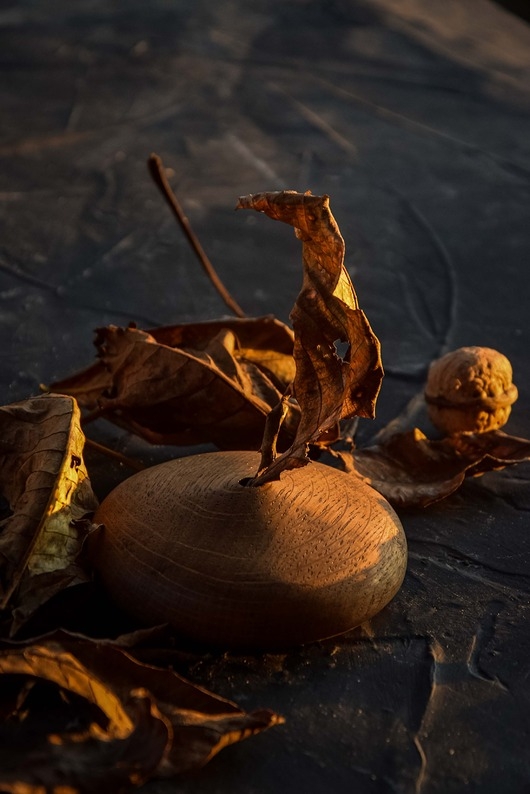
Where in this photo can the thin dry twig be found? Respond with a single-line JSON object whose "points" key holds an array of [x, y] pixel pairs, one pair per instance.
{"points": [[157, 171], [112, 453]]}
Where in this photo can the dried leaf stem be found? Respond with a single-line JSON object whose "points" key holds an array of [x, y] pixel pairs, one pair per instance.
{"points": [[273, 425], [112, 453], [157, 171]]}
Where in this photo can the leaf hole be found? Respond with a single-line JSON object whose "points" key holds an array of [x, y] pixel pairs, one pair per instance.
{"points": [[342, 349]]}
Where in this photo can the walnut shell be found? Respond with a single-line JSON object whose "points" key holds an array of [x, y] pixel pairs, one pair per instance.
{"points": [[470, 390], [304, 558]]}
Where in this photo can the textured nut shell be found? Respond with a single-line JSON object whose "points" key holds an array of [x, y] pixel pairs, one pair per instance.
{"points": [[470, 389], [293, 561]]}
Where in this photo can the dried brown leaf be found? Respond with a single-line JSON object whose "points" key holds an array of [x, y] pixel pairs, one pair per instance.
{"points": [[148, 721], [45, 481], [191, 383], [411, 470], [263, 341], [490, 451], [327, 387]]}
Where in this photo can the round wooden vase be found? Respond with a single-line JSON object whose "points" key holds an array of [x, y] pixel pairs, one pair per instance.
{"points": [[304, 558]]}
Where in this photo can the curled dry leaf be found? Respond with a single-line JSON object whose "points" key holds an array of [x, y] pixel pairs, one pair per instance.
{"points": [[327, 386], [143, 721], [191, 383], [411, 470], [45, 482]]}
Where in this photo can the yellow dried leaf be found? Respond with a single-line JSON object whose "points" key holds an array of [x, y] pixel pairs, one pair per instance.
{"points": [[45, 481]]}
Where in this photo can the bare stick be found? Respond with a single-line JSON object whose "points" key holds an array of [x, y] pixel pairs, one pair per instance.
{"points": [[156, 168], [111, 453]]}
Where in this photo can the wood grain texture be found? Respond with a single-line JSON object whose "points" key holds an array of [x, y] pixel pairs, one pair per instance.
{"points": [[300, 559]]}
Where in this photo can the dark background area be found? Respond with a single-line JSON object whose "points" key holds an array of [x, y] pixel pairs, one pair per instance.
{"points": [[519, 7], [414, 117]]}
